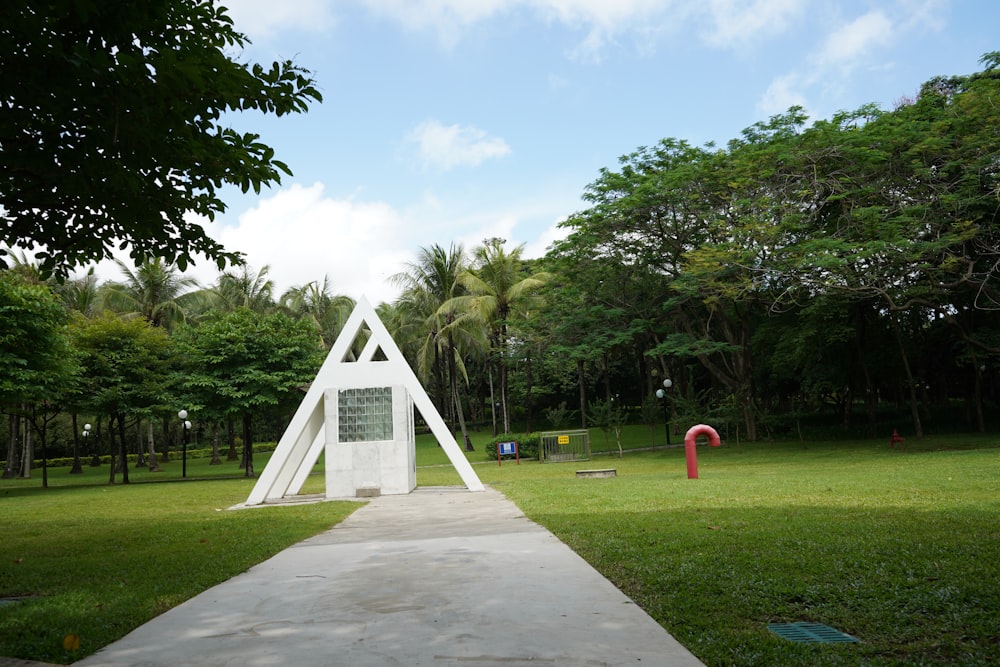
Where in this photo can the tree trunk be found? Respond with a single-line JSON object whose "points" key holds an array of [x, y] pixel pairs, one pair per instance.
{"points": [[247, 463], [95, 440], [13, 448], [918, 427], [461, 416], [112, 452], [528, 380], [459, 411], [581, 381], [28, 454], [140, 449], [153, 465], [750, 418], [503, 396], [124, 449], [977, 395], [231, 455], [166, 425], [45, 458], [440, 400], [606, 372], [871, 398], [77, 465], [493, 401], [215, 445]]}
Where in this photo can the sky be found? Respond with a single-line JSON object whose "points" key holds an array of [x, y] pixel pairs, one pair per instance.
{"points": [[454, 121]]}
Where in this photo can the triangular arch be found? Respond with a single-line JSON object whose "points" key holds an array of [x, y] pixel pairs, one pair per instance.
{"points": [[380, 363]]}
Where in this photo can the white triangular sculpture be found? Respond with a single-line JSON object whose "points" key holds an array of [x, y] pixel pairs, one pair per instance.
{"points": [[304, 439]]}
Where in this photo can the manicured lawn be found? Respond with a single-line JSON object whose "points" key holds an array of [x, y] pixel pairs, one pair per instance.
{"points": [[899, 549], [96, 561]]}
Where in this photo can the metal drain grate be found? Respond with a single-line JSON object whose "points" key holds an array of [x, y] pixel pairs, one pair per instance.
{"points": [[810, 632]]}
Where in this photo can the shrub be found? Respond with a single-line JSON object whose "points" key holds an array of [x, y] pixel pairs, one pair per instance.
{"points": [[527, 445]]}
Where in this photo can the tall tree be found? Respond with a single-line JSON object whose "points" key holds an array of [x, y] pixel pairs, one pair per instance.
{"points": [[243, 287], [244, 364], [114, 126], [499, 292], [125, 371], [81, 295], [429, 286], [37, 363], [317, 302], [905, 213], [153, 291]]}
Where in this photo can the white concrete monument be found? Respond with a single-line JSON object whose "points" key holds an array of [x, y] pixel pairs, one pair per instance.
{"points": [[361, 412]]}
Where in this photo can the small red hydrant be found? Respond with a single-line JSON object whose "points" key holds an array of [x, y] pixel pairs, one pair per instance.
{"points": [[894, 438]]}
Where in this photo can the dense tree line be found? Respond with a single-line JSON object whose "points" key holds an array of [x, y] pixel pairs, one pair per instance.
{"points": [[844, 267], [849, 261], [127, 355]]}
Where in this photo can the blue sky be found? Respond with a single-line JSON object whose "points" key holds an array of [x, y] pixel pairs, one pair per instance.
{"points": [[458, 120]]}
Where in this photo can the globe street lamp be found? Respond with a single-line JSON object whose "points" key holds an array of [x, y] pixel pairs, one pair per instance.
{"points": [[185, 427], [662, 393], [76, 455]]}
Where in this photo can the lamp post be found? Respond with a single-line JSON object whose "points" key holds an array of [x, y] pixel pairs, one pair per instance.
{"points": [[185, 427], [662, 393], [86, 444]]}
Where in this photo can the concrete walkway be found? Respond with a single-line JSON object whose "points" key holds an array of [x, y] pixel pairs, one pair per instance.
{"points": [[437, 577]]}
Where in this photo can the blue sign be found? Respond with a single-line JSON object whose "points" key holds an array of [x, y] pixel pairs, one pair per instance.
{"points": [[507, 448]]}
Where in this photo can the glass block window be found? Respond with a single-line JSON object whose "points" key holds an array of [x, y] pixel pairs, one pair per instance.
{"points": [[365, 414]]}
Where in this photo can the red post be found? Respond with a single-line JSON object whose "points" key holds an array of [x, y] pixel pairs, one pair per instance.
{"points": [[894, 438], [690, 441]]}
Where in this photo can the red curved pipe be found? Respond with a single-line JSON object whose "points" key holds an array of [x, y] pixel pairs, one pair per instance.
{"points": [[690, 439]]}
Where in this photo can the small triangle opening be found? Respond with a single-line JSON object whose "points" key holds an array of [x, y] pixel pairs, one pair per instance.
{"points": [[357, 346]]}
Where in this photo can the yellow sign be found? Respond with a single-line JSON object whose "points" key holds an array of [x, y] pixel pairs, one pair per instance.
{"points": [[563, 440]]}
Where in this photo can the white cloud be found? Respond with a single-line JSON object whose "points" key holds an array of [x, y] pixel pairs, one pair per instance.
{"points": [[557, 82], [855, 40], [449, 146], [420, 14], [781, 95], [858, 44], [262, 19], [540, 246], [446, 18], [303, 235], [731, 21], [604, 20], [740, 22], [923, 14], [488, 227]]}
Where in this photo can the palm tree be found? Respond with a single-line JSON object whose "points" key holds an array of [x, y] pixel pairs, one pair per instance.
{"points": [[316, 301], [151, 291], [25, 268], [242, 288], [428, 285], [81, 295], [499, 292]]}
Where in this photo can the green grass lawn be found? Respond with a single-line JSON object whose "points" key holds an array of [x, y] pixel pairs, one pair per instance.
{"points": [[96, 561], [899, 549]]}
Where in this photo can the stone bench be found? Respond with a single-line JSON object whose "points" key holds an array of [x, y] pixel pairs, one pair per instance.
{"points": [[604, 472]]}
